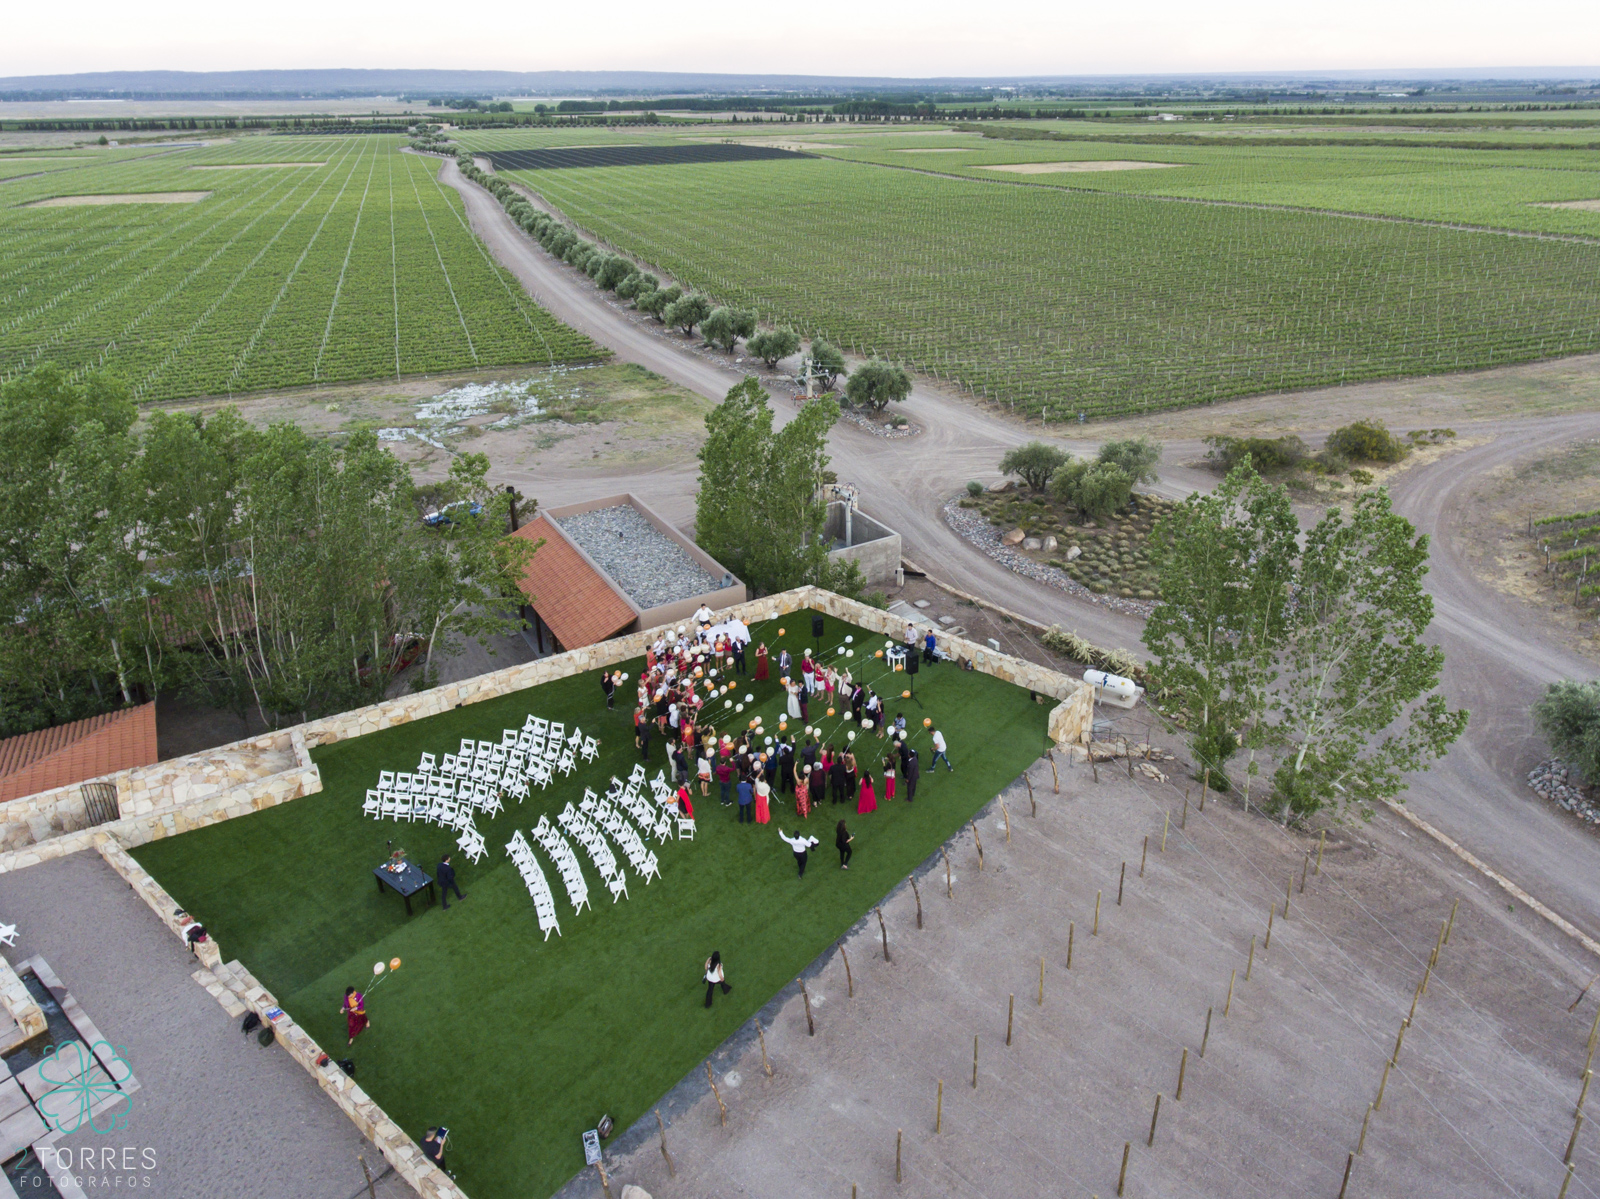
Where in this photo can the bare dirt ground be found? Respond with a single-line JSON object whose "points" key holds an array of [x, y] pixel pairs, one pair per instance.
{"points": [[1092, 164], [1480, 1104], [120, 198], [1497, 547]]}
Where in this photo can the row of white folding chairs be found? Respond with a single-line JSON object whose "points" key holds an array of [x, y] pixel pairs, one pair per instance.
{"points": [[652, 820], [471, 841], [644, 862], [596, 846], [544, 903], [566, 861]]}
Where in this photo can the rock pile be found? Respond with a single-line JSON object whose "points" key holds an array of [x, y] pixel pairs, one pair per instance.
{"points": [[1556, 781]]}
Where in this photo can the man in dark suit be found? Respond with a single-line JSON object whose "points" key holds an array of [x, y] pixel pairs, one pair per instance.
{"points": [[446, 875], [738, 658], [910, 769]]}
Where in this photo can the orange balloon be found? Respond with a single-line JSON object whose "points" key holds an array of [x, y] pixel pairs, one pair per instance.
{"points": [[905, 695], [780, 632], [927, 722], [782, 725], [830, 711], [879, 654], [394, 963], [752, 724]]}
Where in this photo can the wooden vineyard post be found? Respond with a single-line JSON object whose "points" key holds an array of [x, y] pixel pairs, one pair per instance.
{"points": [[1251, 961], [1232, 977], [1154, 1116], [938, 1109], [672, 1169], [765, 1064], [1322, 839], [1095, 931], [1122, 1175], [882, 929], [1183, 1066], [1007, 817], [722, 1108], [948, 893], [1206, 1036], [918, 895], [1166, 822], [974, 1063], [1143, 854], [811, 1024], [849, 982], [1069, 944], [978, 841], [1053, 773], [1011, 1011], [1121, 879]]}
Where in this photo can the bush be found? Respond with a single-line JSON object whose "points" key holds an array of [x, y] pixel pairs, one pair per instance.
{"points": [[1034, 463], [1366, 441], [1093, 488], [1137, 456], [659, 300], [876, 383], [686, 312], [773, 347], [1265, 454], [616, 269], [718, 329], [1568, 716], [974, 488]]}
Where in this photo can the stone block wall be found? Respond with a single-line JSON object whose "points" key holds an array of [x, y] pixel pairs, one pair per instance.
{"points": [[19, 1004], [162, 904]]}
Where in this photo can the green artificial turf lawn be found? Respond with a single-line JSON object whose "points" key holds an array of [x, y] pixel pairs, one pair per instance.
{"points": [[519, 1044]]}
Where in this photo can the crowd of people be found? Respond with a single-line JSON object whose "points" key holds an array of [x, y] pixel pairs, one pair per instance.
{"points": [[690, 681]]}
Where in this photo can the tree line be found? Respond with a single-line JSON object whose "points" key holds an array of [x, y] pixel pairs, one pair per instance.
{"points": [[259, 571]]}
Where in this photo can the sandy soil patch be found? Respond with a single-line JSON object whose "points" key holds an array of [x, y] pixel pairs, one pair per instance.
{"points": [[1098, 164], [1580, 205], [125, 198], [933, 150], [47, 158], [255, 166]]}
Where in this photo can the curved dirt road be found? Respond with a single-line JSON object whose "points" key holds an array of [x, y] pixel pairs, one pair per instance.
{"points": [[1497, 662]]}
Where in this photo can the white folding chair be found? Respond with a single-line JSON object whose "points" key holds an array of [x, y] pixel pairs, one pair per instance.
{"points": [[484, 749], [497, 754], [638, 773], [649, 868], [447, 764], [374, 804], [566, 765], [557, 732], [575, 738], [591, 749], [685, 829], [480, 770], [508, 738], [469, 748], [619, 887], [386, 780], [427, 765]]}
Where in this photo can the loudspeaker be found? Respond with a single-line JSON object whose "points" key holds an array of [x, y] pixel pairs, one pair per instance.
{"points": [[913, 661], [816, 627]]}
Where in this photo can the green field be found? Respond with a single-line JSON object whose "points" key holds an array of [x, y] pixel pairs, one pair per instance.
{"points": [[1065, 301], [518, 1043], [358, 265]]}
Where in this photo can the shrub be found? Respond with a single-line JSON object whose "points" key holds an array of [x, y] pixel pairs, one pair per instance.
{"points": [[616, 269], [658, 301], [1568, 716], [974, 488], [1137, 456], [772, 347], [1093, 488], [1034, 463], [827, 363], [876, 383], [719, 328], [687, 312], [1366, 441], [1266, 454]]}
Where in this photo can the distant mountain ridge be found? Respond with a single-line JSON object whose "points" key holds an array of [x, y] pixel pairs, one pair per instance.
{"points": [[349, 82]]}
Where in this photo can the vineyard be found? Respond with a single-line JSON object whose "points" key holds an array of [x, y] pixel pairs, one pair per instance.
{"points": [[312, 260], [1060, 302]]}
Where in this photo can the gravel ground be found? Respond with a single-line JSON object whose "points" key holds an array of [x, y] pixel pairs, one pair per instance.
{"points": [[978, 531], [651, 567]]}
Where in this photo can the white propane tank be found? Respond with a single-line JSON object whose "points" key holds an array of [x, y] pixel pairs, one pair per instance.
{"points": [[1113, 687]]}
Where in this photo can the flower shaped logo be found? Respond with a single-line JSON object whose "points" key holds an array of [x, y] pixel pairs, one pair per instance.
{"points": [[88, 1087]]}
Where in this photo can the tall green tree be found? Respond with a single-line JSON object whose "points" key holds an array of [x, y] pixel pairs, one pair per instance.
{"points": [[760, 508], [876, 384], [1568, 717], [1358, 700], [826, 363], [1135, 456], [1033, 463], [774, 345], [1225, 564]]}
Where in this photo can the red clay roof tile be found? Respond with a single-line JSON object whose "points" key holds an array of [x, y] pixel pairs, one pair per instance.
{"points": [[84, 749], [569, 594]]}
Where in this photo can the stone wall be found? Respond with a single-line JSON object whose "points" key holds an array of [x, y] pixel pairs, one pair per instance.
{"points": [[155, 895], [20, 1005]]}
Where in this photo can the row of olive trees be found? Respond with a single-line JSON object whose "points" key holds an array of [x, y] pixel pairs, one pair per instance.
{"points": [[1095, 486], [874, 385]]}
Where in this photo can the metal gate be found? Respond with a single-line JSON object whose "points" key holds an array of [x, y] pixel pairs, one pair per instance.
{"points": [[100, 802]]}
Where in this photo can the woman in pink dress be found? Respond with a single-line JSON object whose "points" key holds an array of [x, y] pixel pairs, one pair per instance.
{"points": [[869, 799], [763, 793], [802, 793], [888, 778]]}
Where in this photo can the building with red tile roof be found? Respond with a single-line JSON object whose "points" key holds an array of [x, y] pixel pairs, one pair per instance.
{"points": [[71, 753]]}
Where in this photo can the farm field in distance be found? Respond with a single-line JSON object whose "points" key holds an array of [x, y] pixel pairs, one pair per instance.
{"points": [[309, 259], [1064, 301]]}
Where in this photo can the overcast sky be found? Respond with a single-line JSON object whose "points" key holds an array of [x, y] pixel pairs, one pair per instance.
{"points": [[879, 37]]}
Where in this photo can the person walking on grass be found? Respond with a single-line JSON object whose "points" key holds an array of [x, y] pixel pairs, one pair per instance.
{"points": [[703, 770], [354, 1008], [608, 684], [802, 846], [714, 976], [939, 752], [447, 879], [747, 798], [842, 839]]}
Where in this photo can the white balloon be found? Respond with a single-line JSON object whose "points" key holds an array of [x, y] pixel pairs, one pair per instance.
{"points": [[377, 968], [849, 653], [850, 640], [769, 739], [749, 699], [727, 703], [848, 715], [866, 724], [738, 707], [851, 736], [624, 676]]}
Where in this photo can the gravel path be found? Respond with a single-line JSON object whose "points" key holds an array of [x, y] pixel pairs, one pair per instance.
{"points": [[976, 529], [651, 567]]}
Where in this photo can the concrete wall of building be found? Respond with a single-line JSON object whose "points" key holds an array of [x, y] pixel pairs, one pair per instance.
{"points": [[872, 546]]}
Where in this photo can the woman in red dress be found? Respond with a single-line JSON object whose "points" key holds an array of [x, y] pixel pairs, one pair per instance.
{"points": [[354, 1008], [802, 793], [869, 799], [761, 663]]}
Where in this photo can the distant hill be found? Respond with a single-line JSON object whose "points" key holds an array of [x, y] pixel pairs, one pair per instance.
{"points": [[327, 84]]}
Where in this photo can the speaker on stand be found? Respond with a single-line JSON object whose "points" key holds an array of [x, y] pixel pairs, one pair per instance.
{"points": [[913, 664], [816, 629]]}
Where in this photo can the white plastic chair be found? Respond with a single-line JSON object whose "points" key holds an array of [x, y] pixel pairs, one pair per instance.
{"points": [[619, 887], [386, 780], [508, 738], [374, 804], [591, 749], [557, 732], [485, 748], [469, 748], [566, 765], [427, 765], [685, 829]]}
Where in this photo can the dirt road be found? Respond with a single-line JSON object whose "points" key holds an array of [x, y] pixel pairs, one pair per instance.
{"points": [[1497, 661]]}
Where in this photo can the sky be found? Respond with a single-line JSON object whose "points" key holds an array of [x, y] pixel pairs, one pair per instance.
{"points": [[908, 38]]}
